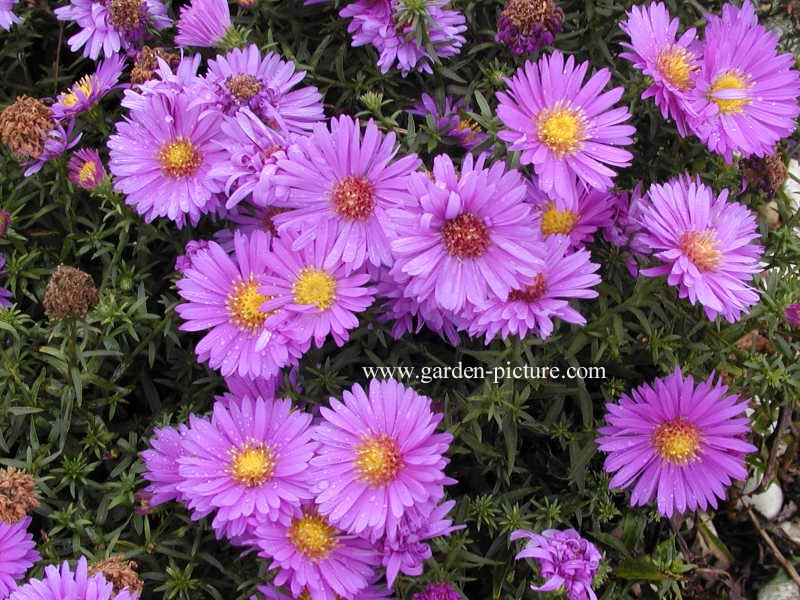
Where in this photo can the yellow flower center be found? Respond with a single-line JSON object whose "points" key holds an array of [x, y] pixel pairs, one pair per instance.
{"points": [[87, 172], [244, 305], [314, 286], [677, 441], [558, 221], [378, 460], [312, 535], [70, 97], [353, 198], [702, 249], [532, 292], [676, 64], [252, 465], [562, 128], [179, 159], [730, 80]]}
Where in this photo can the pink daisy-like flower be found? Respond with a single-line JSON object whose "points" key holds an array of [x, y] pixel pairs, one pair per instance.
{"points": [[243, 78], [398, 32], [166, 82], [405, 550], [88, 91], [467, 236], [319, 296], [112, 25], [203, 23], [678, 441], [161, 464], [745, 94], [563, 127], [253, 151], [160, 157], [563, 274], [7, 16], [378, 458], [62, 583], [578, 215], [566, 560], [222, 296], [707, 244], [670, 63], [439, 591], [339, 176], [19, 554], [315, 558], [249, 462], [86, 168]]}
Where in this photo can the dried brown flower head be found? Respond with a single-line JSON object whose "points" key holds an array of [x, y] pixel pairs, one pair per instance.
{"points": [[24, 125], [145, 63], [120, 573], [69, 293], [17, 495], [767, 174]]}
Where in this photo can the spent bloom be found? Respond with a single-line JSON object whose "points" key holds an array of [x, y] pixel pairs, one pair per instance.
{"points": [[745, 94], [70, 293], [17, 495], [62, 582], [18, 551], [670, 62], [566, 560], [438, 591], [89, 89], [565, 128], [109, 26], [379, 456], [352, 180], [86, 168], [527, 25], [466, 235], [706, 244], [679, 441], [161, 155], [222, 296], [248, 462]]}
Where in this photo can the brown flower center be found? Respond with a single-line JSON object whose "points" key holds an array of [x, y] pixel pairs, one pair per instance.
{"points": [[533, 292], [146, 63], [465, 236], [127, 15], [353, 198], [243, 86]]}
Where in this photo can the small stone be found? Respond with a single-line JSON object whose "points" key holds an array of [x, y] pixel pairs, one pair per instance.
{"points": [[784, 590]]}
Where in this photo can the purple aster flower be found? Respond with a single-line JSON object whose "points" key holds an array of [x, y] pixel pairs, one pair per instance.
{"points": [[160, 157], [253, 151], [257, 387], [578, 215], [405, 550], [707, 244], [525, 26], [203, 23], [669, 62], [19, 554], [4, 293], [247, 219], [319, 296], [315, 558], [449, 123], [223, 297], [404, 310], [86, 168], [677, 440], [792, 314], [192, 247], [56, 142], [61, 583], [397, 32], [243, 78], [249, 462], [745, 94], [7, 16], [88, 91], [563, 274], [161, 464], [112, 25], [467, 236], [563, 127], [340, 176], [439, 591], [166, 82], [378, 458], [566, 560]]}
